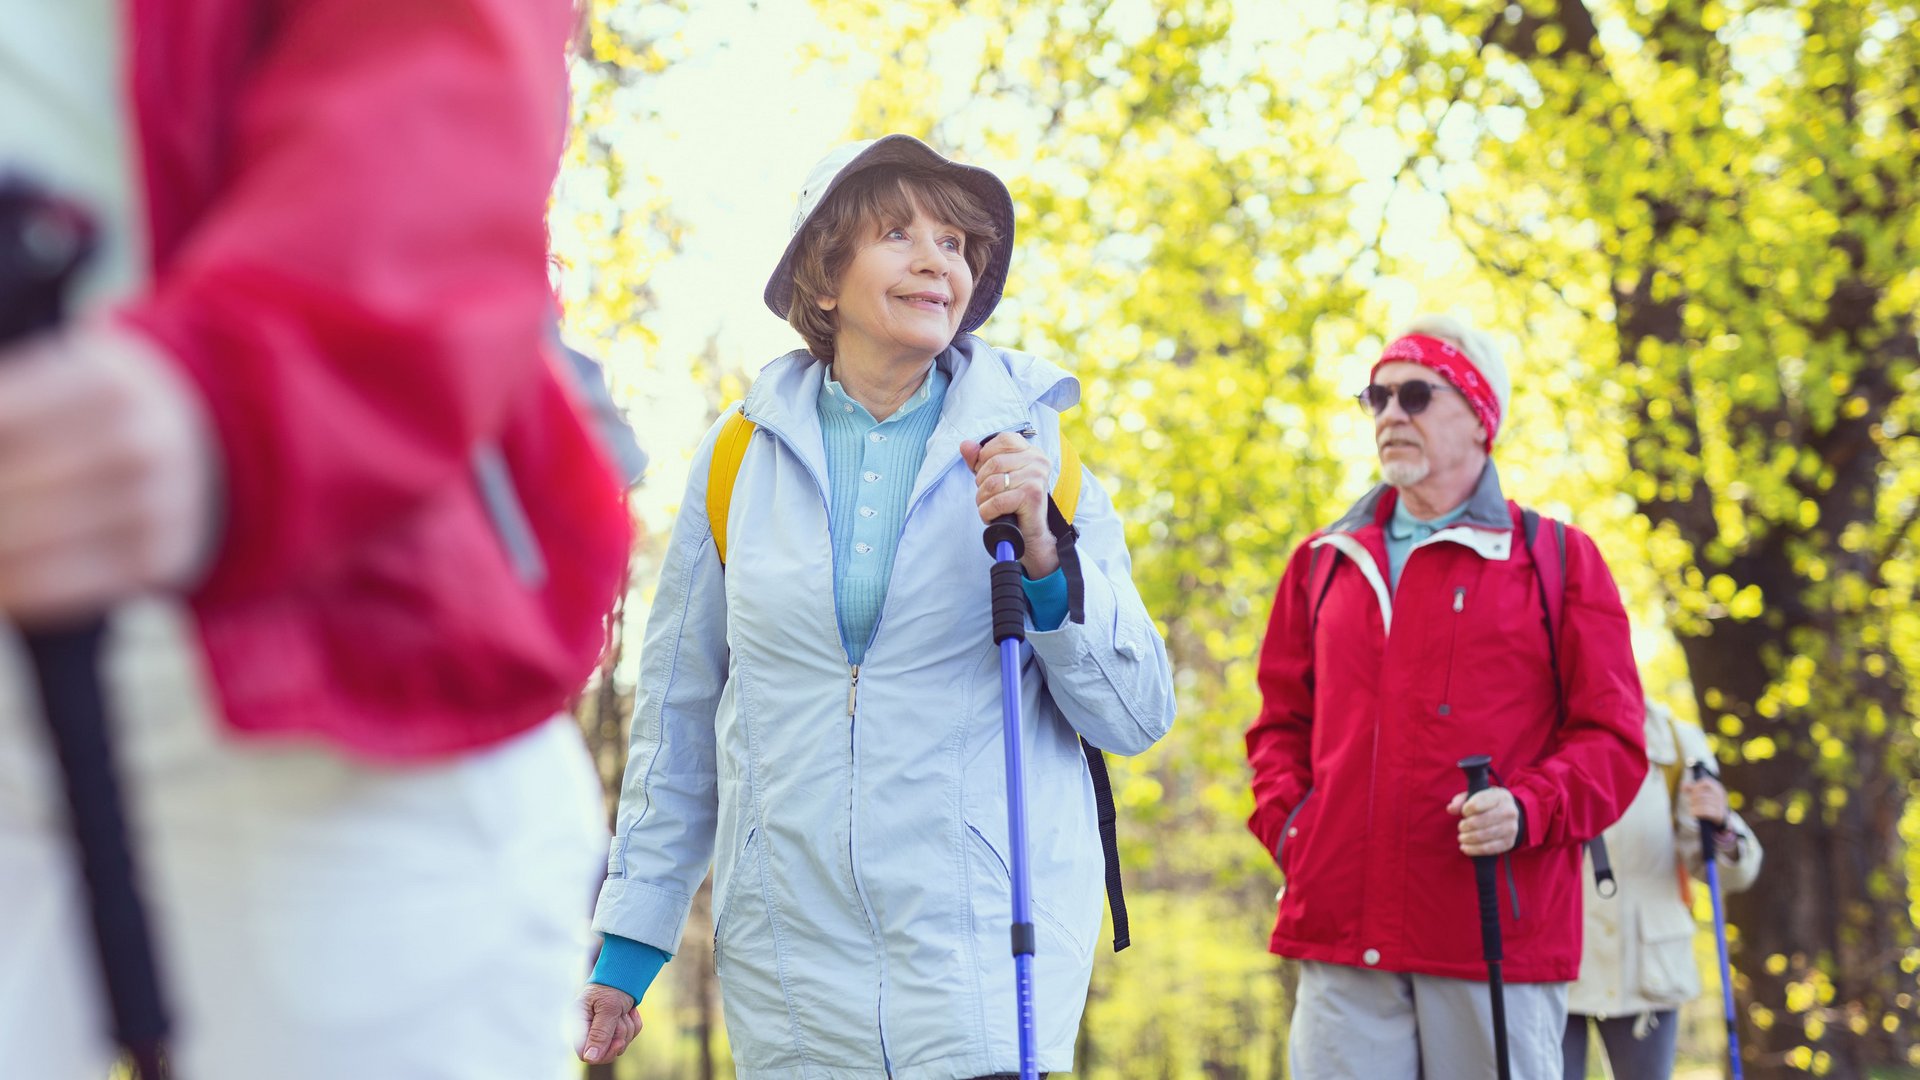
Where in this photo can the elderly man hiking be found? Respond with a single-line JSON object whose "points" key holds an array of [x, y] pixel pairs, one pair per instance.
{"points": [[1414, 632]]}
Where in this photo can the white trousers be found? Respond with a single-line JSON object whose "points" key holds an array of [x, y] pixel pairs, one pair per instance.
{"points": [[1359, 1024], [316, 917]]}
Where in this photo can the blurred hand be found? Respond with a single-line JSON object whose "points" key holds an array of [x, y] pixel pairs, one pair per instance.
{"points": [[107, 474], [1489, 822], [1010, 477], [1705, 799], [613, 1021]]}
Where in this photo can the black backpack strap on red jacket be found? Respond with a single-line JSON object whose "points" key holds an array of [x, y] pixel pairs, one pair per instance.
{"points": [[1553, 601], [1109, 842]]}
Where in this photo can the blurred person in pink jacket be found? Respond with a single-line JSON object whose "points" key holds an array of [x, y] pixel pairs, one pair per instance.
{"points": [[306, 442]]}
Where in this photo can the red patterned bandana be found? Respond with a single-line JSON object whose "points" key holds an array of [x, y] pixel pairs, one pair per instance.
{"points": [[1453, 365]]}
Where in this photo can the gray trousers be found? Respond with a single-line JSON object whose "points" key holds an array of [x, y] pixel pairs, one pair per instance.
{"points": [[1358, 1024], [1643, 1055]]}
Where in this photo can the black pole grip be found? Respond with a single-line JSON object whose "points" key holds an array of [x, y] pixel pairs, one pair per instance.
{"points": [[65, 664], [1004, 529], [1709, 832], [1009, 603], [1486, 883], [1479, 769]]}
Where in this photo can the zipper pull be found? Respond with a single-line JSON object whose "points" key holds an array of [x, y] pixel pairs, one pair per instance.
{"points": [[853, 690], [1459, 597]]}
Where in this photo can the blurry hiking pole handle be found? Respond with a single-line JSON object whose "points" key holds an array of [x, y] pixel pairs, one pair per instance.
{"points": [[43, 242], [1479, 769]]}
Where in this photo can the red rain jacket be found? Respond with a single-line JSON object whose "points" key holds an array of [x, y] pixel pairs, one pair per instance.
{"points": [[345, 204], [1355, 751]]}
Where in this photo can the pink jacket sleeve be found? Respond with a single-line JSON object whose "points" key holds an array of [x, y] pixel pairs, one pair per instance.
{"points": [[364, 297], [1280, 742]]}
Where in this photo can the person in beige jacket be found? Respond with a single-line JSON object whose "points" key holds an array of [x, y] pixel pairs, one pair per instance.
{"points": [[1637, 962]]}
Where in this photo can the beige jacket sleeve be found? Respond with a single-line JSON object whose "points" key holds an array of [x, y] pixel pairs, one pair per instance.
{"points": [[1741, 865]]}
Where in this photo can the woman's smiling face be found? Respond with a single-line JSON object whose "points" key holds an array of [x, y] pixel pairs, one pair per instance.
{"points": [[905, 291]]}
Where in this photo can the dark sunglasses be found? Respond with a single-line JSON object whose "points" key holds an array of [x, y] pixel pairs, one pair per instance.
{"points": [[1414, 396]]}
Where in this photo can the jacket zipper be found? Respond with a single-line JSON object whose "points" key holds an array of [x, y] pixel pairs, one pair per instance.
{"points": [[853, 759], [853, 860], [1373, 758], [1453, 649]]}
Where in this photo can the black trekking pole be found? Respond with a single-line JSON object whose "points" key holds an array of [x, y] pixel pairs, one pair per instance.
{"points": [[1486, 881], [42, 243], [1009, 630], [1709, 840]]}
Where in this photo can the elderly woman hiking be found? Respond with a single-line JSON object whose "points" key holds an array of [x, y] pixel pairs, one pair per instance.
{"points": [[819, 712]]}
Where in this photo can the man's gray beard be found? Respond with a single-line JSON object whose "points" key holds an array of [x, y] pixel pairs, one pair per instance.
{"points": [[1403, 474]]}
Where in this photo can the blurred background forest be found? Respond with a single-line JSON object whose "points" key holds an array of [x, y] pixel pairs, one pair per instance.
{"points": [[1690, 223]]}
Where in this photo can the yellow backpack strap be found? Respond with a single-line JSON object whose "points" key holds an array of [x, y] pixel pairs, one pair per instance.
{"points": [[1676, 769], [1066, 491], [728, 451]]}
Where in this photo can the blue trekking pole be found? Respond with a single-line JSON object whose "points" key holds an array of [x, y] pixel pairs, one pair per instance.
{"points": [[1709, 854], [1009, 630]]}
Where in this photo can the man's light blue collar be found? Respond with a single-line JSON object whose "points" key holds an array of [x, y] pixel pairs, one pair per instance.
{"points": [[1404, 526]]}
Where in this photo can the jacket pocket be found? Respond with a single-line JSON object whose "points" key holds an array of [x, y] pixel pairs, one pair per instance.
{"points": [[762, 1028], [723, 904], [1289, 829], [1668, 974], [1004, 879]]}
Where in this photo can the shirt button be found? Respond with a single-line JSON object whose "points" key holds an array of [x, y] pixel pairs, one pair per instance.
{"points": [[848, 408], [863, 548], [867, 511], [1293, 832], [870, 476], [875, 436], [1371, 956]]}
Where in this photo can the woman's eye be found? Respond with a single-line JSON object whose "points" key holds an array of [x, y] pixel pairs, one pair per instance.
{"points": [[951, 243], [896, 234]]}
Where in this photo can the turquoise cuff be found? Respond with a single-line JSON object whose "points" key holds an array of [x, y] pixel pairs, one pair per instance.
{"points": [[1047, 600], [627, 965]]}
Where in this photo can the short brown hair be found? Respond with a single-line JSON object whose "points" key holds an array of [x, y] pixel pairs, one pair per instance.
{"points": [[876, 198]]}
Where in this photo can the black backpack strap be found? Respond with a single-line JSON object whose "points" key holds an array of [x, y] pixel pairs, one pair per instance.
{"points": [[1603, 881], [1109, 842], [1530, 526], [1064, 537]]}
